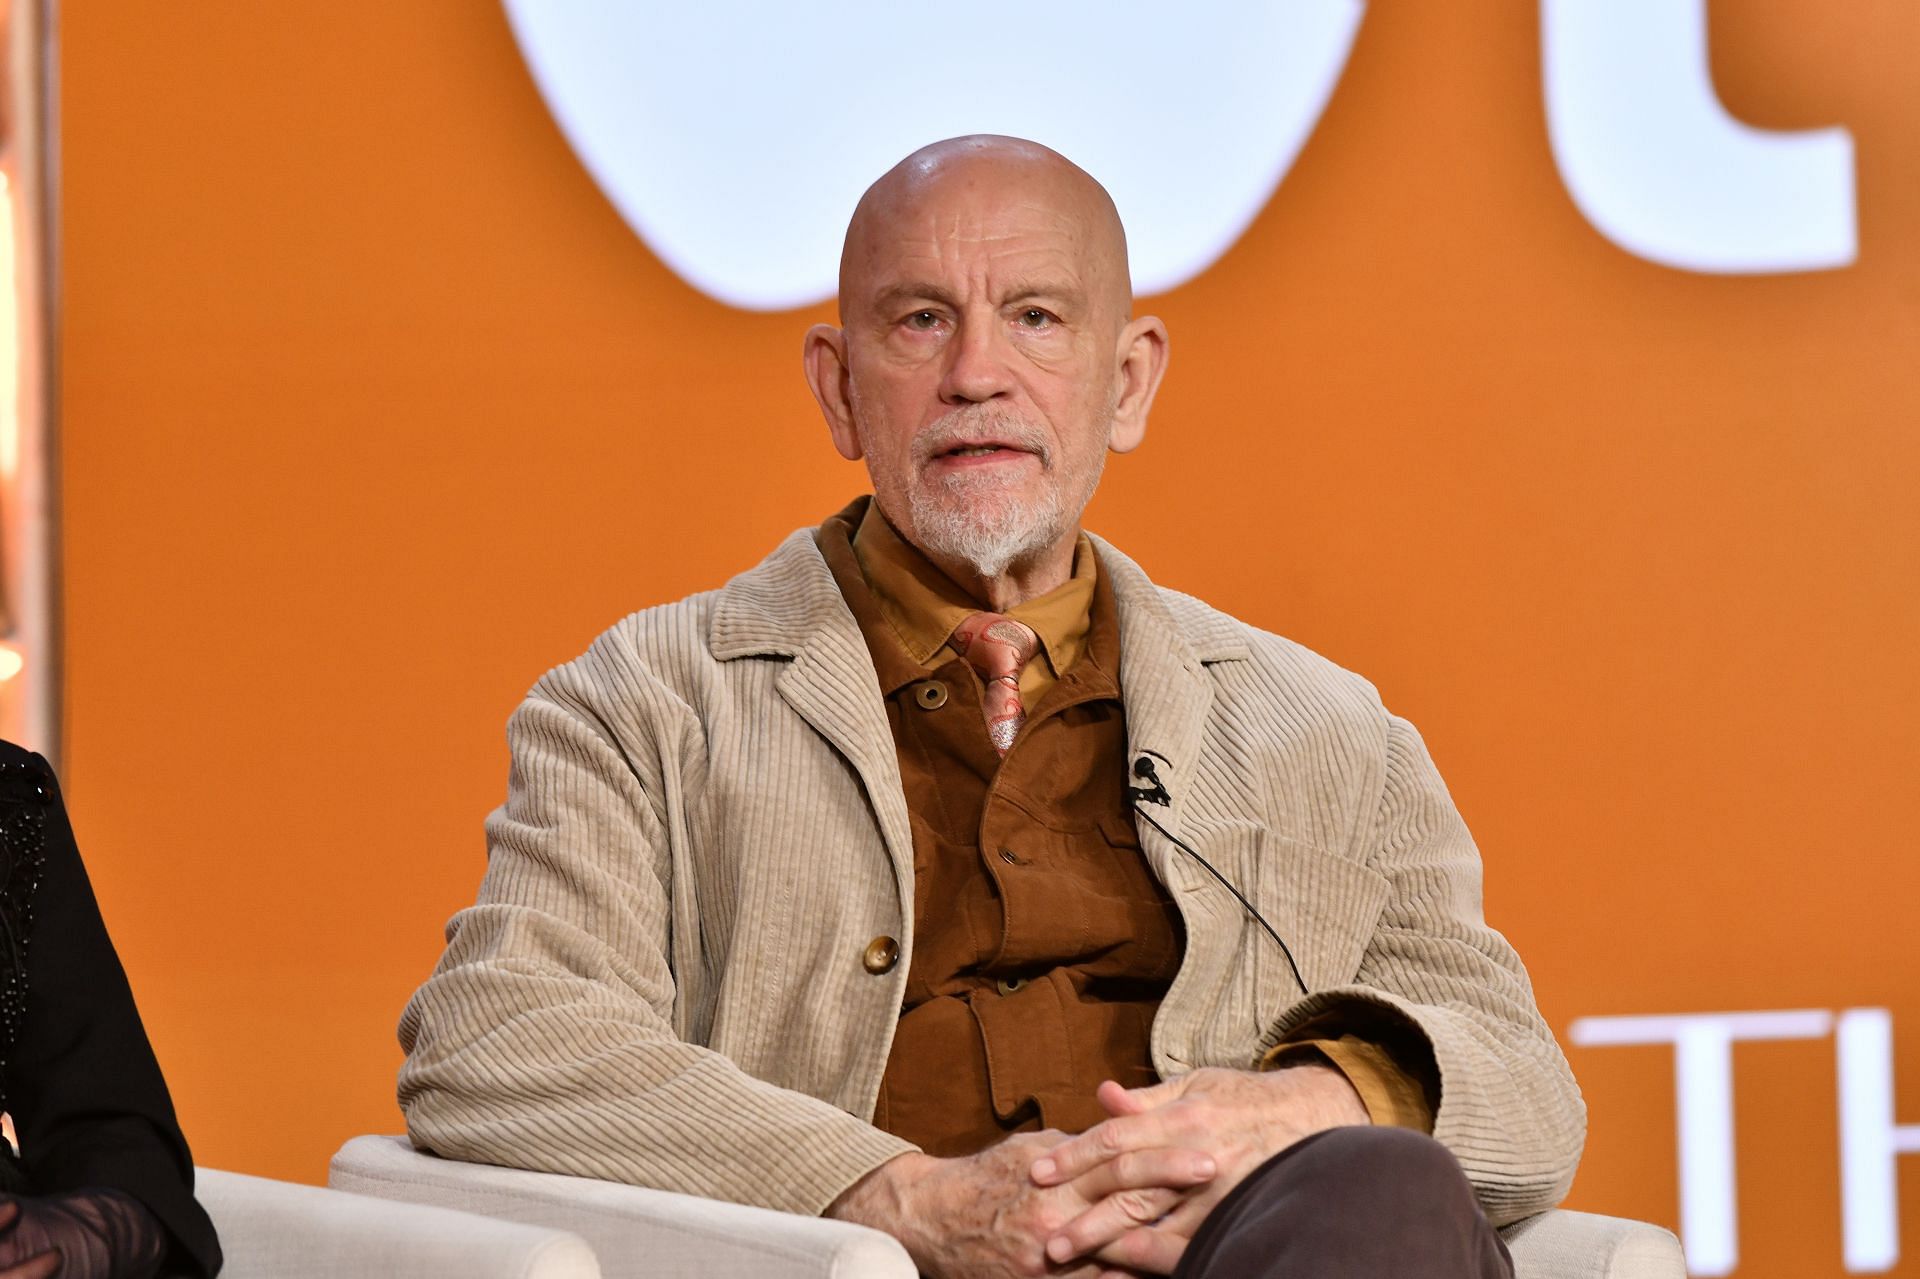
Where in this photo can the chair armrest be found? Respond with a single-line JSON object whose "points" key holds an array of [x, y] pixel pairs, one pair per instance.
{"points": [[279, 1230], [1582, 1245], [634, 1231]]}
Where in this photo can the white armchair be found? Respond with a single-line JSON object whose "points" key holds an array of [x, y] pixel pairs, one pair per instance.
{"points": [[279, 1230], [637, 1232]]}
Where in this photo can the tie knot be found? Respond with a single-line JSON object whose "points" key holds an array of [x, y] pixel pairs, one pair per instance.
{"points": [[997, 647]]}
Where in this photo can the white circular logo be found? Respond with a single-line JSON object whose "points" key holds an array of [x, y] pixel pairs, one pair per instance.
{"points": [[735, 137]]}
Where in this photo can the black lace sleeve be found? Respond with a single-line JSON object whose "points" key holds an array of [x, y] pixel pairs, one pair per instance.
{"points": [[76, 1069], [25, 795], [24, 798]]}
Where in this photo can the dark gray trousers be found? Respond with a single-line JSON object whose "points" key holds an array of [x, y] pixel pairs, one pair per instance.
{"points": [[1350, 1203]]}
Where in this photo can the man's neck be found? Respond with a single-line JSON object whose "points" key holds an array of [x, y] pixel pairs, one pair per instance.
{"points": [[1020, 582]]}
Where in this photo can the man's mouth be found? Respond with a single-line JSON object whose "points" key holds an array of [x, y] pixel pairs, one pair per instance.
{"points": [[978, 449], [968, 438]]}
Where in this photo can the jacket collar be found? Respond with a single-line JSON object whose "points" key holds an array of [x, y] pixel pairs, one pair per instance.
{"points": [[788, 603], [789, 607], [1166, 642], [1163, 619], [782, 607]]}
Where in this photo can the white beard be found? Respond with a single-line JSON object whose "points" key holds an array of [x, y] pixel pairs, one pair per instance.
{"points": [[977, 517], [984, 528]]}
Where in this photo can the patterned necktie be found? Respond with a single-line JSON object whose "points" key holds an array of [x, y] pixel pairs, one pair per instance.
{"points": [[998, 647]]}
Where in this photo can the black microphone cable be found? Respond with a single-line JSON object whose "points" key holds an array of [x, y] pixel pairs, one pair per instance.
{"points": [[1156, 793]]}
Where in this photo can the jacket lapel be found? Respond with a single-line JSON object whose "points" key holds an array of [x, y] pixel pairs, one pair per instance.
{"points": [[788, 607], [1163, 683]]}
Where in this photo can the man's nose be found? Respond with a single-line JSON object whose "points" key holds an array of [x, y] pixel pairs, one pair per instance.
{"points": [[976, 365]]}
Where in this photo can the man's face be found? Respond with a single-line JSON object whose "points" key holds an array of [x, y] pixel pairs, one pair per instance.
{"points": [[983, 322]]}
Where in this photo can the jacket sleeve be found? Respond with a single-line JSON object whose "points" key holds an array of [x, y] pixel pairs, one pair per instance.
{"points": [[550, 1035], [88, 1100], [1436, 982]]}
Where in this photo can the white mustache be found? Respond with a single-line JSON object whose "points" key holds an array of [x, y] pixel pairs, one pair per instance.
{"points": [[974, 422]]}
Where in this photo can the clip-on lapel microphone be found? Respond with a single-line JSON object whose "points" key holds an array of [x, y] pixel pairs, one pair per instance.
{"points": [[1149, 789]]}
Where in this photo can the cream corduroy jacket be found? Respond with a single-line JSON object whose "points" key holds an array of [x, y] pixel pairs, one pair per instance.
{"points": [[662, 980]]}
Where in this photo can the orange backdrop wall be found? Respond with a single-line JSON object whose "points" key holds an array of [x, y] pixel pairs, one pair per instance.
{"points": [[372, 409]]}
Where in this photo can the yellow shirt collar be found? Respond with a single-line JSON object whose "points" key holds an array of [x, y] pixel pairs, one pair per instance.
{"points": [[923, 605]]}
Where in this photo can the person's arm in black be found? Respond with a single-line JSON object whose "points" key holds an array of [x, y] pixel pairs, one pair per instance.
{"points": [[88, 1101]]}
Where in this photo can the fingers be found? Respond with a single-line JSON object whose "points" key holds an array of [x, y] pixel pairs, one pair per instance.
{"points": [[1112, 1218], [1134, 1189], [1149, 1250], [1168, 1167], [1118, 1101], [1100, 1144], [1156, 1248], [44, 1266]]}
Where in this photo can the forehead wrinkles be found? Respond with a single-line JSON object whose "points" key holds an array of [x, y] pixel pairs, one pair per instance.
{"points": [[996, 246], [1030, 219]]}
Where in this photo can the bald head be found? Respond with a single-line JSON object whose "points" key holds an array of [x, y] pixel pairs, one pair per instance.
{"points": [[965, 189]]}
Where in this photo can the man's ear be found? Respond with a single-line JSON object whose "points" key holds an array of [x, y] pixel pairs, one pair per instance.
{"points": [[825, 355], [1143, 360]]}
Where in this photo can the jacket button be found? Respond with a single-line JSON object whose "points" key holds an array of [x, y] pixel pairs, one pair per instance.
{"points": [[931, 694], [1007, 985], [881, 955]]}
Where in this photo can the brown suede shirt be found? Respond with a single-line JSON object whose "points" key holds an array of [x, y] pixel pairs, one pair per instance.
{"points": [[1044, 943]]}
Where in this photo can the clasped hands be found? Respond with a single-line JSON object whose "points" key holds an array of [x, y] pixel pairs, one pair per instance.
{"points": [[1122, 1198]]}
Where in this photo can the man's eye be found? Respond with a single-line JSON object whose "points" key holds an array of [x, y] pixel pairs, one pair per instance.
{"points": [[922, 320], [1034, 318]]}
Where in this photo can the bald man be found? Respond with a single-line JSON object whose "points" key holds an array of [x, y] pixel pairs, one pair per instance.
{"points": [[944, 874]]}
